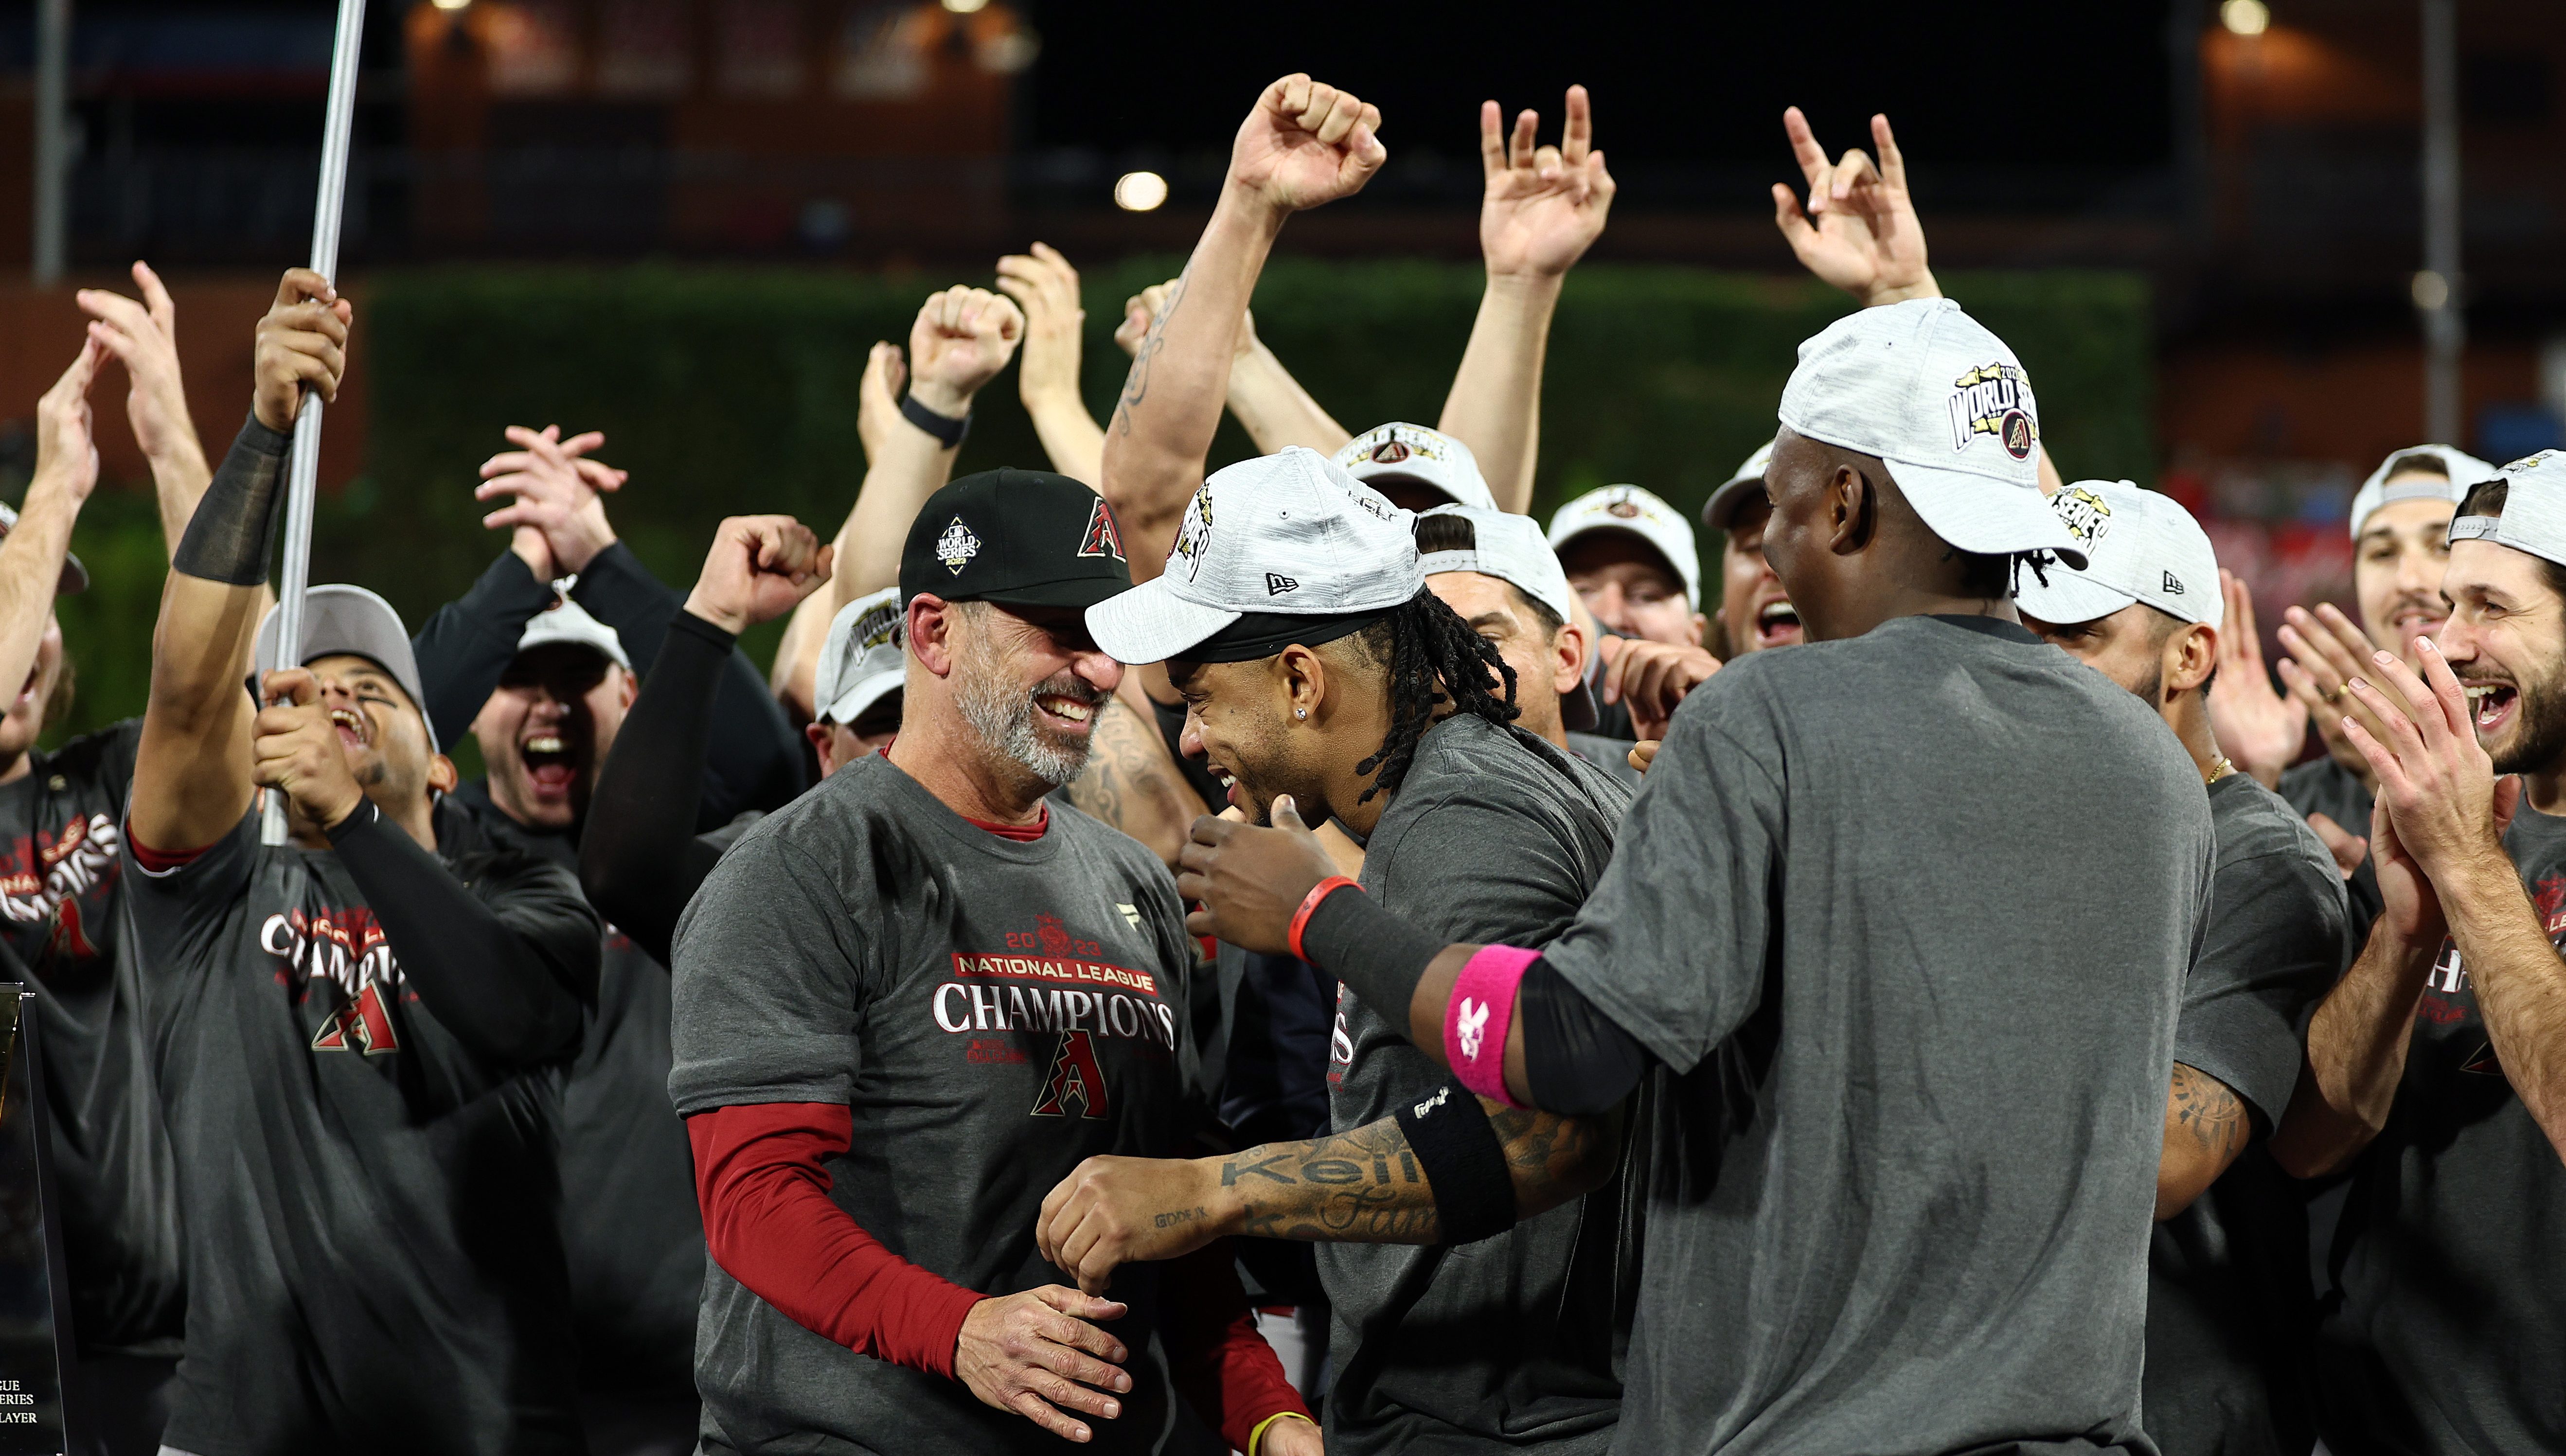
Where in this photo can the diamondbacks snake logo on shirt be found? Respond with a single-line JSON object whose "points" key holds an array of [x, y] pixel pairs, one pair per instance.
{"points": [[45, 881], [1994, 400], [346, 949], [1076, 1076]]}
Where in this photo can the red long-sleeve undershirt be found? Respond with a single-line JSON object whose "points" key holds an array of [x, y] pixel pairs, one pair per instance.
{"points": [[761, 1177]]}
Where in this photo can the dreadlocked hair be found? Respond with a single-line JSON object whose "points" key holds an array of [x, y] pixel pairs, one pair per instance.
{"points": [[1433, 659]]}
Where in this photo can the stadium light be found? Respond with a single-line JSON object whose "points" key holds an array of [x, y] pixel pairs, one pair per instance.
{"points": [[450, 4], [967, 7], [1140, 192], [2245, 17]]}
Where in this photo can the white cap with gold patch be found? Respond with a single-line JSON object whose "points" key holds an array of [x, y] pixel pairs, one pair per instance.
{"points": [[2139, 545], [2534, 509]]}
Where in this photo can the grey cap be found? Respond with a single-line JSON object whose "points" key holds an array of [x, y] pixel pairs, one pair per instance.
{"points": [[1721, 511], [862, 663], [2446, 475], [75, 576], [567, 622], [1511, 549], [350, 619]]}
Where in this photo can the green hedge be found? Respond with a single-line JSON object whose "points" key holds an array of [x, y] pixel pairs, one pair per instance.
{"points": [[733, 389]]}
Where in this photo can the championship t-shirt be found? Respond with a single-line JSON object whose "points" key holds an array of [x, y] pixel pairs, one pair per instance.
{"points": [[62, 911], [991, 1011], [2322, 785], [2229, 1308], [1907, 917], [1494, 837], [2447, 1329], [371, 1259], [631, 1231]]}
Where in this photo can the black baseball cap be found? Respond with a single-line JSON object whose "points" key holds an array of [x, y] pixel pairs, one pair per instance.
{"points": [[1021, 538]]}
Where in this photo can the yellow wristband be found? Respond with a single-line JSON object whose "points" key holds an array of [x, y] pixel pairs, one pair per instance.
{"points": [[1256, 1437]]}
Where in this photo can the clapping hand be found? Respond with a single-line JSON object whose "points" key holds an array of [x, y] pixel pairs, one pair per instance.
{"points": [[557, 517]]}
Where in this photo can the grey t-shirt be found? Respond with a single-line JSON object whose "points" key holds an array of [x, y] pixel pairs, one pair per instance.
{"points": [[2446, 1333], [2322, 785], [2229, 1308], [1612, 755], [1907, 917], [1494, 837], [992, 1013]]}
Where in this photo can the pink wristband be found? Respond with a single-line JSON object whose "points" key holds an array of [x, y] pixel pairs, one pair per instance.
{"points": [[1477, 1017]]}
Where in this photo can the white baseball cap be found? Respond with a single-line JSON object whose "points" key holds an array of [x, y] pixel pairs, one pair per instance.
{"points": [[340, 619], [1926, 389], [1282, 549], [1642, 513], [1510, 547], [2447, 475], [567, 622], [2534, 509], [862, 663], [1399, 451], [2139, 545], [1735, 492]]}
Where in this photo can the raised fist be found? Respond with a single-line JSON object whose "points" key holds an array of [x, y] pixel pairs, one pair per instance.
{"points": [[962, 337], [1305, 145], [302, 344]]}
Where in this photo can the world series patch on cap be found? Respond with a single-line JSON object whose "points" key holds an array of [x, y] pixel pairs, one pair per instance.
{"points": [[1018, 538], [2140, 545]]}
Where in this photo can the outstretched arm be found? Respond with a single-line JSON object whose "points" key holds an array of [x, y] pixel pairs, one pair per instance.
{"points": [[1544, 208], [143, 336], [30, 555], [1366, 1186], [1859, 229], [191, 775], [1269, 403], [1044, 284], [1305, 144]]}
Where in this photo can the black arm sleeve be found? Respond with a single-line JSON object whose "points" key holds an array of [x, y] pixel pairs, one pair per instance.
{"points": [[1578, 1062], [470, 640], [495, 989], [1378, 955], [754, 758], [638, 857], [233, 531]]}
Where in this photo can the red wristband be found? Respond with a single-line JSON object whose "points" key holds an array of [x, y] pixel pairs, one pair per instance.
{"points": [[1310, 905]]}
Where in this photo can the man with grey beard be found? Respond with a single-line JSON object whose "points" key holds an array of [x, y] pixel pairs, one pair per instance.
{"points": [[914, 1000]]}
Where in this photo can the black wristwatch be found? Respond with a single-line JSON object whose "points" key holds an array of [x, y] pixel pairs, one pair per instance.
{"points": [[943, 426]]}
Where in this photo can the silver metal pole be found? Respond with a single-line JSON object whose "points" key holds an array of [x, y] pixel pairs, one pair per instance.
{"points": [[302, 467], [53, 138], [2438, 291]]}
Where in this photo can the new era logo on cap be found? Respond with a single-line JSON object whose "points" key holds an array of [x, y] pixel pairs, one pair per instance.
{"points": [[2172, 585], [1276, 583]]}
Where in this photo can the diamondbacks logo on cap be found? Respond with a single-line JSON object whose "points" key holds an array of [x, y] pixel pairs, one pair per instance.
{"points": [[1994, 400], [1193, 536], [1626, 508], [1276, 583], [2087, 516], [956, 547], [1390, 451], [1101, 539], [2172, 585]]}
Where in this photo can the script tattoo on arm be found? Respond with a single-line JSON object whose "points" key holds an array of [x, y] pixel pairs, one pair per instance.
{"points": [[1131, 782], [2205, 1108], [1364, 1186], [1136, 385]]}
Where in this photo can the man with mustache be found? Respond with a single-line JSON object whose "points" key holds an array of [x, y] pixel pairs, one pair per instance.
{"points": [[1314, 662], [910, 1002], [2439, 1060], [2400, 520], [1916, 1150], [2228, 1302]]}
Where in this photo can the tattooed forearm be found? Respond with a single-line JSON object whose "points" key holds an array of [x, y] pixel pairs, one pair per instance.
{"points": [[1175, 1216], [1552, 1159], [1136, 385], [1364, 1186]]}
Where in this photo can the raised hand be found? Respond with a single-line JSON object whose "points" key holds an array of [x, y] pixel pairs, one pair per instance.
{"points": [[302, 344], [143, 336], [1250, 881], [1035, 1354], [1113, 1211], [1544, 206], [759, 568], [2444, 807], [2327, 649], [66, 429], [1045, 286], [298, 748], [556, 515], [878, 398], [1305, 145], [2256, 725], [962, 337], [1859, 230]]}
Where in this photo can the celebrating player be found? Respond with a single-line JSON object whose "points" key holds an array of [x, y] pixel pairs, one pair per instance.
{"points": [[909, 1003], [357, 1034], [2439, 1059], [1893, 1110], [2227, 1291], [1754, 612]]}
